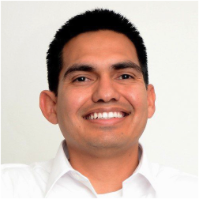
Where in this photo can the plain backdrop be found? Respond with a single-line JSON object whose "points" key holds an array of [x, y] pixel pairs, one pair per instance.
{"points": [[170, 33]]}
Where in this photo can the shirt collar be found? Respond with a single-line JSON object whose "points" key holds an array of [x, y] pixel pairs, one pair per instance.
{"points": [[145, 167], [61, 166]]}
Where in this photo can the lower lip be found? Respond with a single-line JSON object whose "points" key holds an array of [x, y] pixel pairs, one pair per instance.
{"points": [[111, 121]]}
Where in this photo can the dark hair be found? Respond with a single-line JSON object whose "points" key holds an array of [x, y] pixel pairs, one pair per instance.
{"points": [[98, 19]]}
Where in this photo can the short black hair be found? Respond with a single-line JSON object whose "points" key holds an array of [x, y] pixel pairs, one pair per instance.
{"points": [[94, 20]]}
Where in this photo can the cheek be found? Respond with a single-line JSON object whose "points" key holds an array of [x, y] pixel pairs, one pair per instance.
{"points": [[136, 97], [71, 101]]}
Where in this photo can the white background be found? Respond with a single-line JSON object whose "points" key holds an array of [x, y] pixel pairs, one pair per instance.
{"points": [[170, 33]]}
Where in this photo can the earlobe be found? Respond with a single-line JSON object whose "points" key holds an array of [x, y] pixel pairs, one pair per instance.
{"points": [[151, 100], [47, 103]]}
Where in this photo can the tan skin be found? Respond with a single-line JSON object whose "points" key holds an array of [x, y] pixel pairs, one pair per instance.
{"points": [[105, 151]]}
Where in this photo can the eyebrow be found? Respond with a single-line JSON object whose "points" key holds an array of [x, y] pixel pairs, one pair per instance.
{"points": [[127, 64], [90, 68], [78, 67]]}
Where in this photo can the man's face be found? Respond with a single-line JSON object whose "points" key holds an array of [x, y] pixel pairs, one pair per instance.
{"points": [[101, 77]]}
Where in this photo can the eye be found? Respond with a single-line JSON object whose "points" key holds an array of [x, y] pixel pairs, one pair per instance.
{"points": [[80, 79], [125, 76]]}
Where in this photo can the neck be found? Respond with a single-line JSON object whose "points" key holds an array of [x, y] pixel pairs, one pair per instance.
{"points": [[105, 174]]}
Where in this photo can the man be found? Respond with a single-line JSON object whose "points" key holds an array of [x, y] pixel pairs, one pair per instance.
{"points": [[101, 98]]}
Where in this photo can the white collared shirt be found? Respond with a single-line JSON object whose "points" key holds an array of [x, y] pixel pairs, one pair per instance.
{"points": [[57, 179]]}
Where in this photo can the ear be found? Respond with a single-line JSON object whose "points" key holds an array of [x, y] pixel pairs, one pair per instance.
{"points": [[151, 100], [47, 103]]}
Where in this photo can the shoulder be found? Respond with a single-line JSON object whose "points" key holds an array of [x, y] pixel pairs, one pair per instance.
{"points": [[25, 171], [24, 179], [175, 183], [167, 172], [24, 168]]}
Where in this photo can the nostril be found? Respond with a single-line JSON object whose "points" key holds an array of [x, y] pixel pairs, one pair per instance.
{"points": [[100, 100]]}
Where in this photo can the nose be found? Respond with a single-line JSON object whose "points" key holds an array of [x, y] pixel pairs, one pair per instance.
{"points": [[105, 91]]}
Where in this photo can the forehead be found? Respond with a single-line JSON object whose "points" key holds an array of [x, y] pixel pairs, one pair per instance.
{"points": [[103, 47]]}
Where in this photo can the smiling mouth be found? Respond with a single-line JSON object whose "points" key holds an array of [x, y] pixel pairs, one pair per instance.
{"points": [[106, 115]]}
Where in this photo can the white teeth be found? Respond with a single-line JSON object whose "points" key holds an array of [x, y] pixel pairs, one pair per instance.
{"points": [[114, 114], [95, 115], [99, 115], [110, 115], [120, 115], [105, 115]]}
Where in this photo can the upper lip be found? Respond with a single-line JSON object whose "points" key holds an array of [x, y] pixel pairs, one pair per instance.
{"points": [[108, 109]]}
